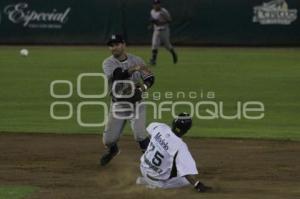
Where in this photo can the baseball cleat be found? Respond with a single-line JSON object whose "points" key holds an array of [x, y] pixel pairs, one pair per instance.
{"points": [[152, 62], [109, 155]]}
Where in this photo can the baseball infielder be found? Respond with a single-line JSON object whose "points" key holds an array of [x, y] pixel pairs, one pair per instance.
{"points": [[160, 19], [119, 67], [167, 162]]}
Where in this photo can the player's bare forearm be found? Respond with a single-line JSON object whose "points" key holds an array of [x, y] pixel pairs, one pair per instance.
{"points": [[134, 69], [141, 68], [199, 186], [192, 178]]}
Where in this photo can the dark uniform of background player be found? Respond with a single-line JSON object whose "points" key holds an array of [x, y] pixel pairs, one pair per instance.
{"points": [[160, 19], [124, 66]]}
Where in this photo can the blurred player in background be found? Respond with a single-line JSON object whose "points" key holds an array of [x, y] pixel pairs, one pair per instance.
{"points": [[160, 19], [167, 162], [124, 66]]}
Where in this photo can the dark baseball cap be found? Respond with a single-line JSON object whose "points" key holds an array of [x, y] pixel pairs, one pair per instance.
{"points": [[115, 38], [156, 1]]}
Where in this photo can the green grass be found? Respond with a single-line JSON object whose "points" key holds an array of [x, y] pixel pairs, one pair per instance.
{"points": [[271, 76], [16, 192]]}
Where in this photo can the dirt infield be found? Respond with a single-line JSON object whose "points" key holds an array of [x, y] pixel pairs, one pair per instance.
{"points": [[66, 166]]}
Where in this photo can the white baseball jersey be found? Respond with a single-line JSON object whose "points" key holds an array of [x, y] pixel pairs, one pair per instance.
{"points": [[166, 149], [162, 16]]}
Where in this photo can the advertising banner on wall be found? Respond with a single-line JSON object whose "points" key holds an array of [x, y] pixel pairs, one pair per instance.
{"points": [[205, 22], [22, 14], [275, 12]]}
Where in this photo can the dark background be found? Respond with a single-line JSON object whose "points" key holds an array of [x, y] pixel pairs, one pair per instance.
{"points": [[196, 22]]}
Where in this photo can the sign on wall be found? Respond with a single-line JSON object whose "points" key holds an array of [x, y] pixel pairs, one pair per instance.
{"points": [[23, 15], [274, 12], [205, 22]]}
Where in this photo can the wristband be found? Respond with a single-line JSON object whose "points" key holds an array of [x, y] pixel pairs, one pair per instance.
{"points": [[196, 184], [145, 86]]}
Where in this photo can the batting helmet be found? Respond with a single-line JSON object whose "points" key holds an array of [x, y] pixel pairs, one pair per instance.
{"points": [[181, 124]]}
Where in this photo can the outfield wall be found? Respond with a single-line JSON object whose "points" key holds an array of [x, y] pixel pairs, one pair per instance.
{"points": [[196, 22]]}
